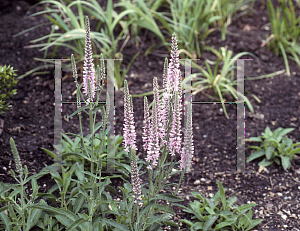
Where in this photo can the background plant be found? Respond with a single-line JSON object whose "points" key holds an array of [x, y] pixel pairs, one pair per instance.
{"points": [[143, 16], [195, 20], [221, 82], [275, 147], [285, 29], [226, 11], [190, 21], [72, 27], [7, 82], [61, 15], [215, 214]]}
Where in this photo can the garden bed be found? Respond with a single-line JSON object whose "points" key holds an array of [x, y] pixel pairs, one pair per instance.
{"points": [[31, 120]]}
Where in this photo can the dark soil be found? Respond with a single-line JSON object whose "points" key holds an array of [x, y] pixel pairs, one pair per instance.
{"points": [[31, 120]]}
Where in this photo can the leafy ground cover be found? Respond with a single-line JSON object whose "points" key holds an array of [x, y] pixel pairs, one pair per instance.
{"points": [[31, 123]]}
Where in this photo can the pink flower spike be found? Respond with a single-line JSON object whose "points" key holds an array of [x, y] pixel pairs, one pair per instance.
{"points": [[129, 128], [88, 66], [135, 179]]}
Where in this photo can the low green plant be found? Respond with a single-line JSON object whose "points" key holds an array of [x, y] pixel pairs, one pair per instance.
{"points": [[7, 82], [226, 10], [221, 82], [108, 23], [218, 213], [14, 215], [285, 32], [275, 147], [71, 152], [77, 199], [135, 27]]}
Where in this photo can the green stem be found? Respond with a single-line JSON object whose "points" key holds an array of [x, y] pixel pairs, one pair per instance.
{"points": [[92, 132], [22, 202]]}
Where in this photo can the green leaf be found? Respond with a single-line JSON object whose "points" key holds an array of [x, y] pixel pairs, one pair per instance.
{"points": [[79, 110], [55, 211], [286, 164], [187, 222], [6, 221], [269, 152], [226, 223], [244, 207], [285, 131], [294, 151], [266, 162], [254, 223], [171, 223], [76, 224], [255, 139], [256, 154], [116, 224], [208, 224], [146, 208], [78, 203], [222, 194], [33, 218]]}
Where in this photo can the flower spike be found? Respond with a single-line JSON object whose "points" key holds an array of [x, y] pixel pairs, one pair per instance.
{"points": [[129, 129], [88, 67]]}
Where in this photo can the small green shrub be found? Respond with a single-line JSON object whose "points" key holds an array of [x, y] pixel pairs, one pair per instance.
{"points": [[275, 147], [212, 214], [7, 81]]}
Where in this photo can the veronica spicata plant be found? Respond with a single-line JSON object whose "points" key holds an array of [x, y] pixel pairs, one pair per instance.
{"points": [[91, 149], [161, 134], [83, 202]]}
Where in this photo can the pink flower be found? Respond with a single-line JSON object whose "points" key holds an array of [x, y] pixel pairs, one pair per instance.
{"points": [[146, 128], [129, 140], [88, 67], [155, 129], [135, 180], [174, 85], [153, 135], [129, 128]]}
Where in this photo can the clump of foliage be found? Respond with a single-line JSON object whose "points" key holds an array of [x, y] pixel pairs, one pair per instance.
{"points": [[275, 147], [215, 214], [7, 82]]}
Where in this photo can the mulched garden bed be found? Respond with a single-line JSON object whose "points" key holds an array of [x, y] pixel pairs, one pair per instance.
{"points": [[31, 120]]}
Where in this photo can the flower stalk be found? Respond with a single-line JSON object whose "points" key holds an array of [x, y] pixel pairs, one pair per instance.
{"points": [[161, 131]]}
